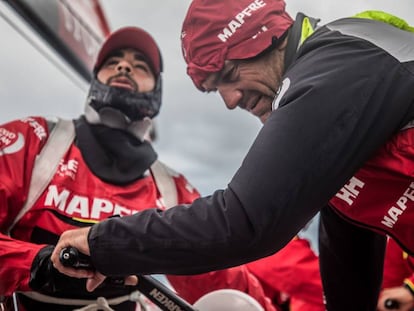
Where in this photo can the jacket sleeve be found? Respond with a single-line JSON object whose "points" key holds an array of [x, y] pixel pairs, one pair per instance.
{"points": [[16, 261], [20, 142], [351, 261], [308, 148]]}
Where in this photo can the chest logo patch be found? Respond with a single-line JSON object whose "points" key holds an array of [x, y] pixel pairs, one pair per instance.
{"points": [[10, 142], [280, 92]]}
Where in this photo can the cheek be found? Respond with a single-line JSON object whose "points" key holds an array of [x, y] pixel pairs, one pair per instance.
{"points": [[145, 84], [102, 76]]}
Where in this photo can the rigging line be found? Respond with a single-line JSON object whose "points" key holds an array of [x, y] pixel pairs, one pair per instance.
{"points": [[43, 52]]}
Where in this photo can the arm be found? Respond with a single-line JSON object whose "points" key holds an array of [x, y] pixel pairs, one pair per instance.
{"points": [[16, 261], [351, 258], [19, 145]]}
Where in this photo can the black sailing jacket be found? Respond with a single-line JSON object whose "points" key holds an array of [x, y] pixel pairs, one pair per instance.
{"points": [[347, 89]]}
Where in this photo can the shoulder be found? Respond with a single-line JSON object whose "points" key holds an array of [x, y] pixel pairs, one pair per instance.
{"points": [[35, 124], [165, 174], [26, 132]]}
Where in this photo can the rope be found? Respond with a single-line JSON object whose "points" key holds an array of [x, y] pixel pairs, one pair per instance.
{"points": [[100, 303]]}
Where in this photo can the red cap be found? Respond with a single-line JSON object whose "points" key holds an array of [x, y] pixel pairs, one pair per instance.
{"points": [[131, 37], [217, 30]]}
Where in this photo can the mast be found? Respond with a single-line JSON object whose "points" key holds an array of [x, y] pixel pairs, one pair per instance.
{"points": [[73, 29]]}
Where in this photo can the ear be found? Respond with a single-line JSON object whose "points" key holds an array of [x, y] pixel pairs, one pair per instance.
{"points": [[283, 45]]}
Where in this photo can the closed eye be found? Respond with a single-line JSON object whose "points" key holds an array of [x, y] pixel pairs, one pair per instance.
{"points": [[144, 67], [229, 74], [111, 62]]}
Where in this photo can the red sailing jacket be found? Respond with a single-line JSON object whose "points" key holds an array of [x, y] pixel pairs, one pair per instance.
{"points": [[381, 194], [74, 198], [77, 198]]}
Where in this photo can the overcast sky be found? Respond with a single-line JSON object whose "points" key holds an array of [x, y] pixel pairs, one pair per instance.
{"points": [[196, 134]]}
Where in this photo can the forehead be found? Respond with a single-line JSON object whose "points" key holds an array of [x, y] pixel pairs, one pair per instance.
{"points": [[124, 52]]}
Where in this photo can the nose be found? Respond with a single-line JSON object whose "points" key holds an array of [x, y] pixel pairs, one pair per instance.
{"points": [[124, 66], [231, 97]]}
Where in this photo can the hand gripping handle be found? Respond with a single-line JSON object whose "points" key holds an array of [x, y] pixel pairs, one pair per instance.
{"points": [[153, 289]]}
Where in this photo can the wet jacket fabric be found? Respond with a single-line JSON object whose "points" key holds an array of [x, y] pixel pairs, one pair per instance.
{"points": [[347, 90]]}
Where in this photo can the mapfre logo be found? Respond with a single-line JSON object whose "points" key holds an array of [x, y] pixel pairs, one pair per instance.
{"points": [[83, 207], [10, 142], [38, 129], [69, 168], [238, 20]]}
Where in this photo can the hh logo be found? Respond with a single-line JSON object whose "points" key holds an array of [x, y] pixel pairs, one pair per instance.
{"points": [[350, 191]]}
